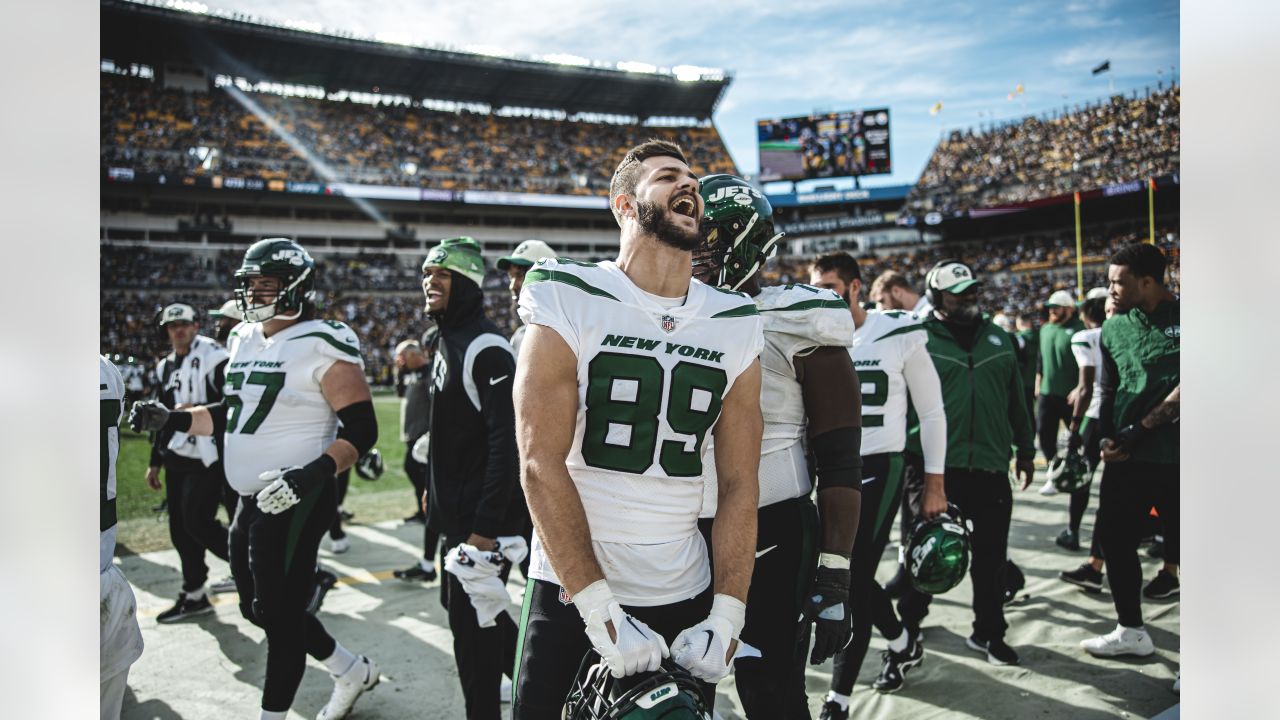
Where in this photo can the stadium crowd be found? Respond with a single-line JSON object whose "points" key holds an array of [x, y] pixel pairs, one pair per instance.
{"points": [[157, 130], [1119, 140]]}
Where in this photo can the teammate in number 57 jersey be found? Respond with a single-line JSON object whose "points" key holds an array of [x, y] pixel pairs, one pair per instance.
{"points": [[628, 368], [296, 410], [889, 354]]}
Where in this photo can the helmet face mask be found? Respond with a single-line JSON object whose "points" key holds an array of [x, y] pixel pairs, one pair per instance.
{"points": [[669, 694], [284, 260], [737, 232], [938, 552], [1069, 472]]}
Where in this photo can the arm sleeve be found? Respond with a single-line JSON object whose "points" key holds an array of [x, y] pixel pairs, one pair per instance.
{"points": [[926, 397], [501, 478], [1107, 379], [215, 381], [1019, 414], [160, 439]]}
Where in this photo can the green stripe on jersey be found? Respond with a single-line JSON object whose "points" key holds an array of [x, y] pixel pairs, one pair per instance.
{"points": [[542, 274], [899, 331], [810, 305], [740, 311], [329, 339], [1079, 343]]}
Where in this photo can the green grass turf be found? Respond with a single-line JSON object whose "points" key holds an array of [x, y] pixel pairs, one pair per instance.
{"points": [[135, 500]]}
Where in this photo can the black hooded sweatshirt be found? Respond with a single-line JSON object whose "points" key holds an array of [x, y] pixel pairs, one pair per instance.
{"points": [[475, 481]]}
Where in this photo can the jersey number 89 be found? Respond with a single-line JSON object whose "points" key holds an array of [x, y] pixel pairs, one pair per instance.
{"points": [[624, 399]]}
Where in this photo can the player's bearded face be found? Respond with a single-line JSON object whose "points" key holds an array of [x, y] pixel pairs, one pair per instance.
{"points": [[654, 219]]}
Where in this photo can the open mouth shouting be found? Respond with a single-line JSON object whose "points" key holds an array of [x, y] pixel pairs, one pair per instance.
{"points": [[685, 205]]}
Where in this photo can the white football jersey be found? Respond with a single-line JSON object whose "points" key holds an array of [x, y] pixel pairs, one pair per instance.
{"points": [[798, 319], [1087, 349], [276, 415], [890, 356], [111, 406], [651, 380]]}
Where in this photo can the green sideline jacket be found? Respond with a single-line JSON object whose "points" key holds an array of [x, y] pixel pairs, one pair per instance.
{"points": [[1140, 367], [982, 389], [1058, 371]]}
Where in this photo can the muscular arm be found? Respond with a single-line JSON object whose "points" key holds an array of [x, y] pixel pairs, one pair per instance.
{"points": [[546, 407], [828, 381], [1166, 412], [737, 456], [1083, 394], [343, 385]]}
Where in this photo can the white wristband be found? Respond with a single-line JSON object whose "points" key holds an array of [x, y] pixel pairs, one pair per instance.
{"points": [[730, 609], [833, 561], [595, 597]]}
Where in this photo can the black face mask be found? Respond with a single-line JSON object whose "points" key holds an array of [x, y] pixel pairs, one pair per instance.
{"points": [[965, 315]]}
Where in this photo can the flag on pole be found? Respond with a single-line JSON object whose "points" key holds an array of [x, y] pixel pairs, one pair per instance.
{"points": [[937, 108], [1105, 66]]}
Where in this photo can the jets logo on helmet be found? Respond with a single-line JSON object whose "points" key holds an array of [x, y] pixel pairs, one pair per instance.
{"points": [[939, 552], [671, 693], [285, 260], [737, 232]]}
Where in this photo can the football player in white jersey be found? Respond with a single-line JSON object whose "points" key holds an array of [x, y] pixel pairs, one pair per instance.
{"points": [[628, 367], [807, 382], [889, 353], [1086, 404], [119, 639], [297, 410]]}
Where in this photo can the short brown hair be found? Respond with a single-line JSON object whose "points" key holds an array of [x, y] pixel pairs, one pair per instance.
{"points": [[624, 177], [846, 267], [888, 280]]}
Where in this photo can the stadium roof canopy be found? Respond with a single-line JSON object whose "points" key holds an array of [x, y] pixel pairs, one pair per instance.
{"points": [[159, 35]]}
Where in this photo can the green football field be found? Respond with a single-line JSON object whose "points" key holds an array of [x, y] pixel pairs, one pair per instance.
{"points": [[134, 499]]}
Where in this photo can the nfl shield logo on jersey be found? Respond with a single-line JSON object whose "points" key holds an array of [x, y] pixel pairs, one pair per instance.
{"points": [[668, 324]]}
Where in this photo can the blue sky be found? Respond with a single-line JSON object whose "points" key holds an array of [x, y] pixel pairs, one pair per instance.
{"points": [[797, 57]]}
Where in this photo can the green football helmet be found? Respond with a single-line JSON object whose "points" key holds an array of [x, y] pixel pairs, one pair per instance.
{"points": [[1069, 472], [279, 258], [737, 232], [669, 694], [938, 552]]}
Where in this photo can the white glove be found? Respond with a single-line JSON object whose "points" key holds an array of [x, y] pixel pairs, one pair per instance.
{"points": [[638, 648], [279, 494], [422, 448], [703, 649]]}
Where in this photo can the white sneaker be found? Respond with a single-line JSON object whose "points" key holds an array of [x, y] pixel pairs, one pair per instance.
{"points": [[340, 545], [1121, 641], [225, 585], [505, 690], [1048, 489], [347, 688]]}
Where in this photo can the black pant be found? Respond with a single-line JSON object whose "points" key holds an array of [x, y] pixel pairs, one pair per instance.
{"points": [[483, 655], [881, 491], [273, 558], [772, 686], [193, 492], [985, 499], [1080, 498], [912, 487], [1052, 413], [417, 473], [553, 642], [341, 483], [1129, 490]]}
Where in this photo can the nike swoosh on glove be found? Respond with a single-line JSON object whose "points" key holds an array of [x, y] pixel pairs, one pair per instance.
{"points": [[827, 608], [703, 649], [637, 648]]}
